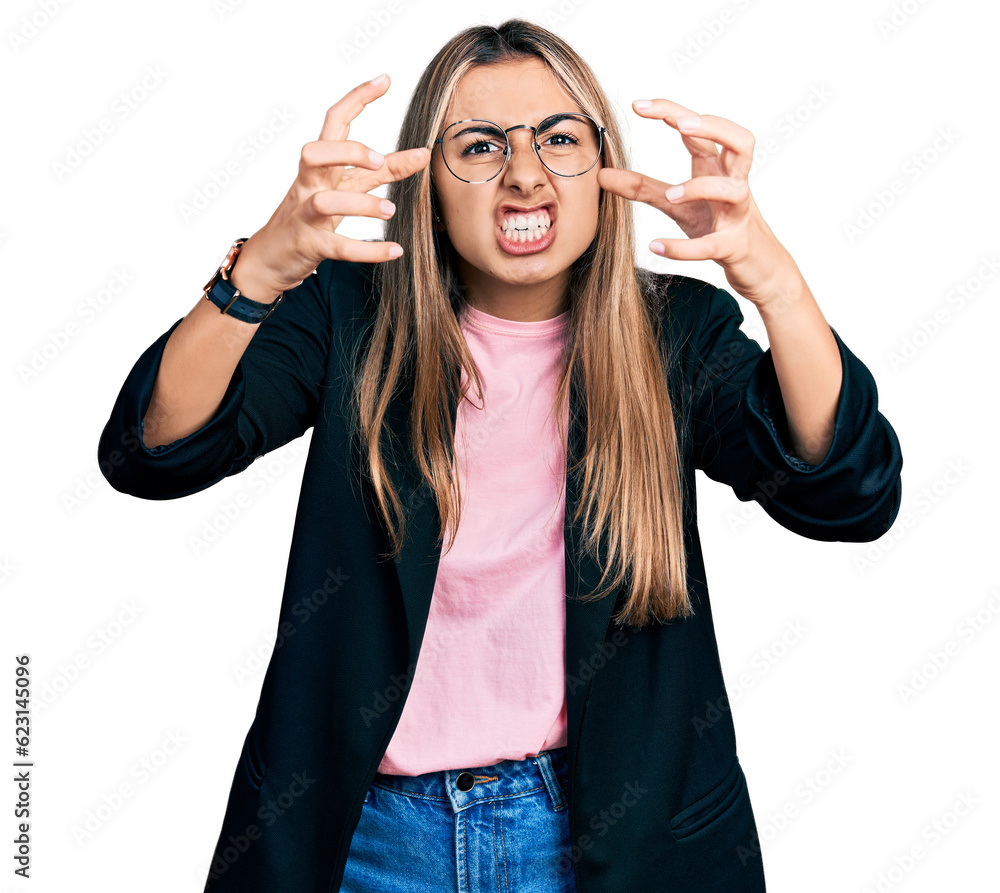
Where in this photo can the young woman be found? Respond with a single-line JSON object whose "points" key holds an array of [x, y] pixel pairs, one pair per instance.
{"points": [[528, 695]]}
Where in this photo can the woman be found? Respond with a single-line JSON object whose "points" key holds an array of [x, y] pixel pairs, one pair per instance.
{"points": [[528, 695]]}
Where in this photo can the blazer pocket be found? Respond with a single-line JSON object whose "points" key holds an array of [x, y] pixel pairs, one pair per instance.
{"points": [[252, 761], [715, 804]]}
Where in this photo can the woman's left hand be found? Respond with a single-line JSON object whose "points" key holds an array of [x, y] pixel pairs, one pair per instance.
{"points": [[715, 210]]}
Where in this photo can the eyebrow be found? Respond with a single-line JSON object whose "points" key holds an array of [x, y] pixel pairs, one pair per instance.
{"points": [[478, 128], [485, 128]]}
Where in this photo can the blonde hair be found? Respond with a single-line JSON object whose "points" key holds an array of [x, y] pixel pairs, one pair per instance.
{"points": [[632, 486]]}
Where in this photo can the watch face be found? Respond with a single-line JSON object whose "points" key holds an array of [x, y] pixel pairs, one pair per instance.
{"points": [[225, 265], [229, 260]]}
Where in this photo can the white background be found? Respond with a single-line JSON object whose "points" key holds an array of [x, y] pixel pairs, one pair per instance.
{"points": [[814, 650]]}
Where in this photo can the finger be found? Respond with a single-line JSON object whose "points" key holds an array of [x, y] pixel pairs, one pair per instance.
{"points": [[398, 166], [328, 203], [337, 124], [731, 190], [705, 247], [737, 142], [633, 185], [668, 112], [705, 131], [363, 251], [319, 157]]}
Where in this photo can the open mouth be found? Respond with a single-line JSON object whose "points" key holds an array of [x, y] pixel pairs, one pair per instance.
{"points": [[526, 227], [519, 231]]}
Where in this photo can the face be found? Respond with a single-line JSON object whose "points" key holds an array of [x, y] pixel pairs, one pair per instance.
{"points": [[526, 279]]}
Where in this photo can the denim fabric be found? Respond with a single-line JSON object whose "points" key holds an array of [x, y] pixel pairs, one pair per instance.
{"points": [[509, 832]]}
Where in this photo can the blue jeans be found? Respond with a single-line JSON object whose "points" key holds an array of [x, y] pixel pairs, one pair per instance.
{"points": [[501, 827]]}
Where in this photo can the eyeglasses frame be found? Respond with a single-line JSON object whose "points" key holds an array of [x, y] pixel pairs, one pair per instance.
{"points": [[534, 145]]}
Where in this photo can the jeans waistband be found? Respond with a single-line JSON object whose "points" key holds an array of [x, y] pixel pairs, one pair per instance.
{"points": [[508, 778]]}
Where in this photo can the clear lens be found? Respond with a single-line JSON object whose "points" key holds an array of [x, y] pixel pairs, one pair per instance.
{"points": [[568, 145]]}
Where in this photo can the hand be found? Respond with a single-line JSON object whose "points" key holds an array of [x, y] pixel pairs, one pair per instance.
{"points": [[716, 211], [302, 231]]}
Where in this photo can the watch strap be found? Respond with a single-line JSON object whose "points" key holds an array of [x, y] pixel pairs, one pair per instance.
{"points": [[227, 297]]}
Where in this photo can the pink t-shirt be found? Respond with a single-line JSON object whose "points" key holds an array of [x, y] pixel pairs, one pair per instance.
{"points": [[490, 680]]}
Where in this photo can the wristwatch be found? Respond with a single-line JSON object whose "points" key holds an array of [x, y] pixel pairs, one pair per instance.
{"points": [[226, 296]]}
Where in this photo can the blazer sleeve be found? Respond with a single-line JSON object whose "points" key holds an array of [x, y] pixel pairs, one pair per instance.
{"points": [[740, 434], [271, 399]]}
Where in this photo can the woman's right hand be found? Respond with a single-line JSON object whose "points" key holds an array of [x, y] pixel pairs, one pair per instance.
{"points": [[302, 231]]}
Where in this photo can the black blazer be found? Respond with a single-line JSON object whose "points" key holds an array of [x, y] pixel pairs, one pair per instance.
{"points": [[658, 799]]}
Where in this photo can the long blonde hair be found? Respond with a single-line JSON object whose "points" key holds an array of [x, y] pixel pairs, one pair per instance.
{"points": [[632, 483]]}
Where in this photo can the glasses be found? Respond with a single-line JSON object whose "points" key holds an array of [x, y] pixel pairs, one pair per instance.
{"points": [[568, 144]]}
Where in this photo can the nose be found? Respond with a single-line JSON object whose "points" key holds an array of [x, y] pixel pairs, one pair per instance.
{"points": [[523, 168]]}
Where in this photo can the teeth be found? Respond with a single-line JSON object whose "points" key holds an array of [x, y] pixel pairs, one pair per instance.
{"points": [[525, 228]]}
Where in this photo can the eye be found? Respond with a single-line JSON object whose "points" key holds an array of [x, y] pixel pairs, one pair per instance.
{"points": [[570, 139], [472, 148]]}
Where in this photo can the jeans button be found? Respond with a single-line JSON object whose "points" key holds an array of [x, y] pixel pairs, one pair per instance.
{"points": [[465, 781]]}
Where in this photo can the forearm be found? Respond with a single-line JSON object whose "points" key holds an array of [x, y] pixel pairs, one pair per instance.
{"points": [[807, 364], [199, 360]]}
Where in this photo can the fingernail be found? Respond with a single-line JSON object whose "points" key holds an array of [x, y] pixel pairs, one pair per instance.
{"points": [[674, 193], [395, 251], [642, 103], [377, 80], [689, 122], [387, 206], [656, 248], [375, 157]]}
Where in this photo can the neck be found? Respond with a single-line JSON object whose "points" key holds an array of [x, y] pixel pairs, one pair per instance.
{"points": [[523, 303]]}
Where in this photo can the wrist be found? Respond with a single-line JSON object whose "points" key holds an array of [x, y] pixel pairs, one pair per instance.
{"points": [[785, 292], [253, 283]]}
